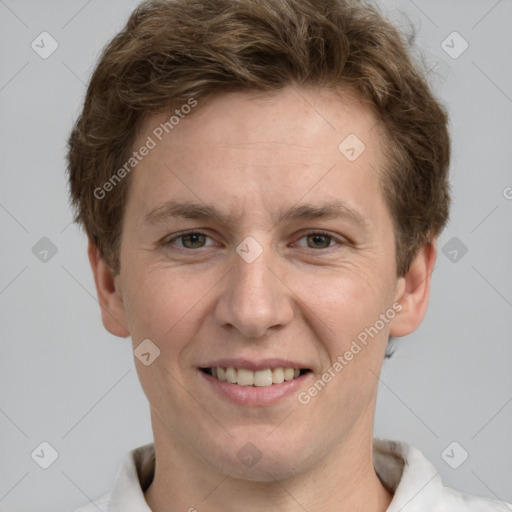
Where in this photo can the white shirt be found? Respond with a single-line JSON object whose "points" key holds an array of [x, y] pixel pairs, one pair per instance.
{"points": [[414, 482]]}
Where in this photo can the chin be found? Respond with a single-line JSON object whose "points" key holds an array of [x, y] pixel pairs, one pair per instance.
{"points": [[267, 469], [261, 459]]}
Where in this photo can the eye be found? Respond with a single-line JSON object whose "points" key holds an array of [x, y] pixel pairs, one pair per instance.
{"points": [[197, 240], [190, 240], [319, 240]]}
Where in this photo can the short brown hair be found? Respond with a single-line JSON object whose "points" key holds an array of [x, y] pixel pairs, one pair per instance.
{"points": [[171, 51]]}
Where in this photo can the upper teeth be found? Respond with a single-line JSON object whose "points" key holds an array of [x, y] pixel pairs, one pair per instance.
{"points": [[260, 378]]}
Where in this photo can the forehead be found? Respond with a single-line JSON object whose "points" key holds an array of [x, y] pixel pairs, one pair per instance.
{"points": [[290, 116], [241, 148]]}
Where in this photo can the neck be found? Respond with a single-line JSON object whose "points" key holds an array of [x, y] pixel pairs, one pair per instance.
{"points": [[344, 481]]}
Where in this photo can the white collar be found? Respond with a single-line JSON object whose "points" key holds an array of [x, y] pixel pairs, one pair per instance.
{"points": [[414, 482]]}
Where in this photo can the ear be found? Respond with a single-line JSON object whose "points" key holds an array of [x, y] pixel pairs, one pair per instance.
{"points": [[413, 292], [109, 294]]}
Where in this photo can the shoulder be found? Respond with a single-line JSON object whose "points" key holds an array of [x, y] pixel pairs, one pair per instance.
{"points": [[133, 476], [452, 500], [416, 484]]}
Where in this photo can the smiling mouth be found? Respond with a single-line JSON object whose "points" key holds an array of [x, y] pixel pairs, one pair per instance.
{"points": [[259, 378]]}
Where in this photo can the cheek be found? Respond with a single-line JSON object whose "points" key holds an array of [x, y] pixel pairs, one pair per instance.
{"points": [[346, 301], [344, 311], [163, 303]]}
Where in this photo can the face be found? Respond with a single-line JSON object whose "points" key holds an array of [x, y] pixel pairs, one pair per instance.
{"points": [[255, 248]]}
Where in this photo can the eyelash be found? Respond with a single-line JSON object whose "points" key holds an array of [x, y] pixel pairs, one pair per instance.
{"points": [[166, 243]]}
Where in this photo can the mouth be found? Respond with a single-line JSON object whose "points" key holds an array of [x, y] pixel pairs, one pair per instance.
{"points": [[260, 378]]}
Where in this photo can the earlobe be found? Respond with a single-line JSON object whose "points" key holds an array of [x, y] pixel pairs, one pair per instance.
{"points": [[109, 295], [413, 292]]}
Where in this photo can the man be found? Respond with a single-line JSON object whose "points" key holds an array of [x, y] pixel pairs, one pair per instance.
{"points": [[262, 184]]}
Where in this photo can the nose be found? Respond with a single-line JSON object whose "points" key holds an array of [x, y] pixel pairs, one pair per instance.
{"points": [[255, 298]]}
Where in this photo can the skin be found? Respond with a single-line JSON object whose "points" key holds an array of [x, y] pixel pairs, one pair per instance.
{"points": [[303, 299]]}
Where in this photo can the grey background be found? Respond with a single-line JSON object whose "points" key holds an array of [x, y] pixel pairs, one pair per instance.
{"points": [[67, 381]]}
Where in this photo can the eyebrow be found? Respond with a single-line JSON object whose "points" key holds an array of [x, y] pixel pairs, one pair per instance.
{"points": [[189, 210]]}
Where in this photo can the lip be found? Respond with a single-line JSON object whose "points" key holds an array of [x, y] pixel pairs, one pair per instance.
{"points": [[251, 364], [254, 396]]}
